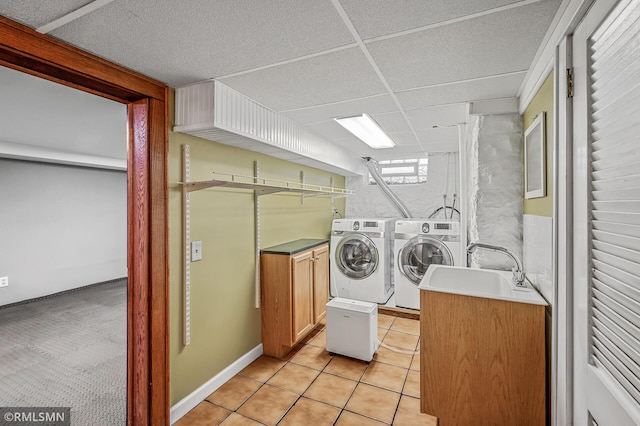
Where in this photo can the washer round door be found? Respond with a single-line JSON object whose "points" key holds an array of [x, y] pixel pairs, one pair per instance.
{"points": [[419, 253], [357, 256]]}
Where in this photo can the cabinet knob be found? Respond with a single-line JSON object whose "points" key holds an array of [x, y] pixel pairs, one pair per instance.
{"points": [[313, 259]]}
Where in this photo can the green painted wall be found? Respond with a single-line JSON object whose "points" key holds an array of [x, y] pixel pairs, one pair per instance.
{"points": [[224, 322], [543, 101]]}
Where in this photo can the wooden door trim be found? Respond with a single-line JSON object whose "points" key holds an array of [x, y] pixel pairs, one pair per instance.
{"points": [[41, 55], [26, 50]]}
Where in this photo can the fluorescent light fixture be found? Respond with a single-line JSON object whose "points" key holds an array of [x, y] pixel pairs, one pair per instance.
{"points": [[367, 130]]}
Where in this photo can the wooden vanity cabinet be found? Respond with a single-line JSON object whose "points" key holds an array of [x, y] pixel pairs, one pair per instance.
{"points": [[295, 290], [482, 361]]}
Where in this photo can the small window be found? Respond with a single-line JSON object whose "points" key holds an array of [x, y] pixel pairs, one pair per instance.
{"points": [[402, 172]]}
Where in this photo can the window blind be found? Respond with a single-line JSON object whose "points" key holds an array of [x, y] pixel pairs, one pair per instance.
{"points": [[615, 199]]}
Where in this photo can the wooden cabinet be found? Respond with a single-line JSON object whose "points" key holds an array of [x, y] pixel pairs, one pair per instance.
{"points": [[301, 296], [320, 282], [482, 361], [295, 290]]}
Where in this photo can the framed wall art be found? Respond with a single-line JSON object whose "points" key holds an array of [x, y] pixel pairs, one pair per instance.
{"points": [[534, 159]]}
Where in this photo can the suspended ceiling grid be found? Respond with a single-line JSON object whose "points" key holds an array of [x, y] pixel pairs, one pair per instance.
{"points": [[411, 64]]}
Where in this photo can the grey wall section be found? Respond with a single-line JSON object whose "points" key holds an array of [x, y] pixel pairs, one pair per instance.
{"points": [[61, 227], [495, 187], [421, 199], [38, 112]]}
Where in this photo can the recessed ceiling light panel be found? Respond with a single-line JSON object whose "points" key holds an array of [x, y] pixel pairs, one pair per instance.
{"points": [[367, 130]]}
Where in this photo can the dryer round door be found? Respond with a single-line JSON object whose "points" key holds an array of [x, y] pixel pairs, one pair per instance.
{"points": [[419, 253], [357, 256]]}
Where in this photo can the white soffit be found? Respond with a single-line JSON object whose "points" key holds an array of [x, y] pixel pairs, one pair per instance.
{"points": [[401, 15], [214, 111], [35, 13], [329, 78], [460, 51], [202, 39], [16, 151]]}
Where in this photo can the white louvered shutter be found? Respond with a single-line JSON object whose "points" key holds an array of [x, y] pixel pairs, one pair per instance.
{"points": [[615, 199]]}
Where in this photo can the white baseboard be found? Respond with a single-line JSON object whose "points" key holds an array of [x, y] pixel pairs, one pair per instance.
{"points": [[189, 402]]}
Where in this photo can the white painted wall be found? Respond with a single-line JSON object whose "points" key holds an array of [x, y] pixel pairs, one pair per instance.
{"points": [[421, 199], [62, 227], [40, 113], [537, 252], [495, 187]]}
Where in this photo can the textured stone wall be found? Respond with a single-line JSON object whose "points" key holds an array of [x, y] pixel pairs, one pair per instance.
{"points": [[494, 152], [420, 199]]}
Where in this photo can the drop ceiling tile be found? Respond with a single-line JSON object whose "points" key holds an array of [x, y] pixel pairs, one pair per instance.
{"points": [[330, 130], [201, 39], [488, 88], [373, 18], [495, 106], [460, 51], [404, 138], [441, 134], [392, 122], [370, 105], [399, 152], [36, 13], [356, 146], [332, 77], [442, 146], [437, 116]]}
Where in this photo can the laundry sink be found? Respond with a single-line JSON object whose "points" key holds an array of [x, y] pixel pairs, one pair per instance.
{"points": [[487, 283]]}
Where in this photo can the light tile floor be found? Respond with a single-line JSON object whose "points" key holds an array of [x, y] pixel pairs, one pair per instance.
{"points": [[313, 387]]}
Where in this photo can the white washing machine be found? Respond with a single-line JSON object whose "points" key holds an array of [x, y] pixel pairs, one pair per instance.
{"points": [[419, 243], [361, 259]]}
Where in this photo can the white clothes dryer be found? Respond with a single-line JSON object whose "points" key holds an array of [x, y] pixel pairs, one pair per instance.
{"points": [[419, 243], [361, 259]]}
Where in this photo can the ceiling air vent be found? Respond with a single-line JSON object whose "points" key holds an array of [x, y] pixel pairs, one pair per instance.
{"points": [[214, 111]]}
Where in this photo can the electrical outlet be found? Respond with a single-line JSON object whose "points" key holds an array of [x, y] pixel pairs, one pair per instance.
{"points": [[196, 251], [4, 281]]}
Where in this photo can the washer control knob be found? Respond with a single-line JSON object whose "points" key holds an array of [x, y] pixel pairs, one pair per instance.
{"points": [[425, 228], [356, 225]]}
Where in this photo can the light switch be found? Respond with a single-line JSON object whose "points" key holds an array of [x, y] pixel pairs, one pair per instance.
{"points": [[196, 251]]}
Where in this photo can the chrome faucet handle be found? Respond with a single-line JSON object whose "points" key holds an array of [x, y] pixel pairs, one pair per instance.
{"points": [[518, 277]]}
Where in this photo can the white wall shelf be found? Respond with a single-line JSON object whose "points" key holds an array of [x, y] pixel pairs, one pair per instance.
{"points": [[264, 186], [259, 186]]}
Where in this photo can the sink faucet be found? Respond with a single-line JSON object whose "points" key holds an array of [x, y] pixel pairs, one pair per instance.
{"points": [[518, 273]]}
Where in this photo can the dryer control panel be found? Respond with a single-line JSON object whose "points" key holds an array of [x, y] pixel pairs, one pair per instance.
{"points": [[431, 227], [362, 225]]}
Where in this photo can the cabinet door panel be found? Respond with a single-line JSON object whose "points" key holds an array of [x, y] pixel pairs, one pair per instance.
{"points": [[301, 295], [320, 282]]}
